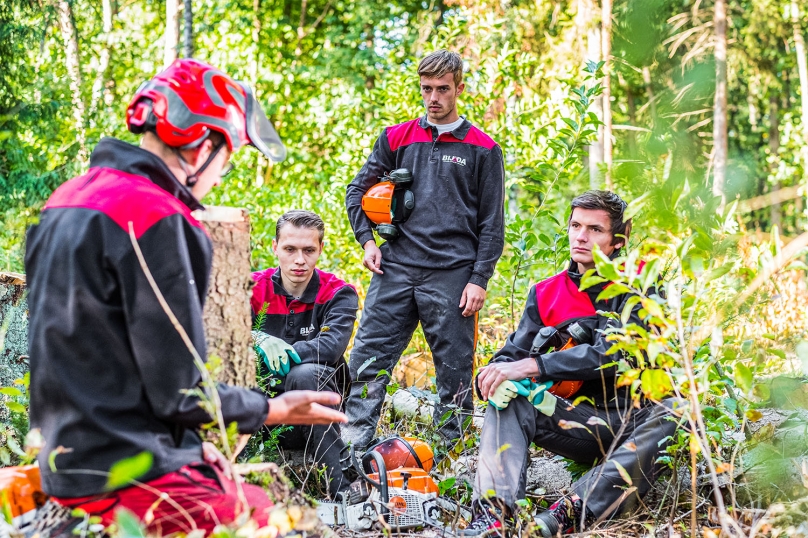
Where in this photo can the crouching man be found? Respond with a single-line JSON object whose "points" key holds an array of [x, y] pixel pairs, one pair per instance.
{"points": [[560, 344], [305, 319]]}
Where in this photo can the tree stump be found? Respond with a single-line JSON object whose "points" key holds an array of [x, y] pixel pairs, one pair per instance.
{"points": [[227, 314], [13, 333], [13, 328]]}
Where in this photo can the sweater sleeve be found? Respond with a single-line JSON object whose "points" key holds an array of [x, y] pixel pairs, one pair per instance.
{"points": [[584, 362], [490, 218], [330, 344], [381, 160]]}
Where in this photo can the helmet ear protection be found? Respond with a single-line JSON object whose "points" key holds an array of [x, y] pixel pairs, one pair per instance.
{"points": [[549, 338], [390, 202]]}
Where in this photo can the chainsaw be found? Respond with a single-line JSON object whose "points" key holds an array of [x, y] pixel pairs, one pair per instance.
{"points": [[394, 489]]}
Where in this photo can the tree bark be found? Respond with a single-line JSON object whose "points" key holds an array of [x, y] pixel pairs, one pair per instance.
{"points": [[802, 68], [594, 44], [649, 91], [775, 215], [172, 32], [720, 144], [70, 35], [227, 308], [103, 59], [606, 96], [632, 120], [13, 333], [256, 39], [188, 30]]}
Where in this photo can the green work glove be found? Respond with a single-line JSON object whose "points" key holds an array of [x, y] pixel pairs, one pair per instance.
{"points": [[507, 391], [539, 397], [275, 353]]}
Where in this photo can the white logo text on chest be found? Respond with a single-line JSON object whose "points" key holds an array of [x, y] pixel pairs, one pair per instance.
{"points": [[455, 160]]}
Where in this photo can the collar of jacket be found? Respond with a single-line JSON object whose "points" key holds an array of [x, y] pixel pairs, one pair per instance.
{"points": [[459, 133], [309, 296], [120, 155]]}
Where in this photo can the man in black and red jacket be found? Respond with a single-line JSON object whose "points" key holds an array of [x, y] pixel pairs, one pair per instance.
{"points": [[111, 377], [521, 411], [437, 269], [304, 319]]}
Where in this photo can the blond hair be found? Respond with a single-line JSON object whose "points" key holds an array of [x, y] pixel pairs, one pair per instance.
{"points": [[438, 63]]}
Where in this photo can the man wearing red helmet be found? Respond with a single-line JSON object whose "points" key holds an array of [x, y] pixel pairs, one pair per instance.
{"points": [[110, 377]]}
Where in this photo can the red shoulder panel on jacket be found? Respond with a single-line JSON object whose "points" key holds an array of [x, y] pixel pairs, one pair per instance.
{"points": [[559, 299], [329, 286], [407, 133], [122, 197], [479, 138], [263, 293]]}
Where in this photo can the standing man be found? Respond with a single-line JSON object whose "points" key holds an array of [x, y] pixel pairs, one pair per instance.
{"points": [[111, 377], [305, 320], [521, 411], [437, 269]]}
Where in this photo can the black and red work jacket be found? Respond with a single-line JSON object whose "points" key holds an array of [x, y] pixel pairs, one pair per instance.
{"points": [[459, 188], [326, 302], [558, 302], [110, 376]]}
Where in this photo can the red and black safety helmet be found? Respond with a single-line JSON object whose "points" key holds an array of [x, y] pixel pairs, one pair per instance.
{"points": [[183, 103]]}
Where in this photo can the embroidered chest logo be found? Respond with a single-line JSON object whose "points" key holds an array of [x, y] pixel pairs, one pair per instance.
{"points": [[305, 331], [455, 160]]}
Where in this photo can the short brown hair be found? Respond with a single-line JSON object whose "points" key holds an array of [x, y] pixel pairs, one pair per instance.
{"points": [[301, 219], [438, 63], [611, 204]]}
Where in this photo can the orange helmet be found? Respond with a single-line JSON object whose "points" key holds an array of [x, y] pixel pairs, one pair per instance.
{"points": [[390, 202]]}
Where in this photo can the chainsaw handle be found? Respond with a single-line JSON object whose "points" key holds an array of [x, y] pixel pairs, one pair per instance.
{"points": [[381, 485]]}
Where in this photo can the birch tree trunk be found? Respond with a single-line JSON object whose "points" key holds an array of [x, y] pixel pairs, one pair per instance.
{"points": [[606, 96], [103, 59], [172, 32], [649, 90], [589, 21], [188, 30], [802, 67], [227, 315], [13, 333], [720, 144], [775, 215], [70, 36]]}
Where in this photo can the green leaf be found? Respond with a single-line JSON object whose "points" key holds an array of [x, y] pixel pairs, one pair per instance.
{"points": [[123, 472], [743, 377], [129, 525], [779, 352], [11, 391], [656, 384], [623, 473], [612, 291], [590, 279], [15, 407]]}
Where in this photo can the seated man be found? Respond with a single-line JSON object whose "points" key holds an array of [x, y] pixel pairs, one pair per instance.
{"points": [[305, 319], [118, 272], [521, 410]]}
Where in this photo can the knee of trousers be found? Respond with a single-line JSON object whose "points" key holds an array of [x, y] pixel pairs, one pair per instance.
{"points": [[307, 377]]}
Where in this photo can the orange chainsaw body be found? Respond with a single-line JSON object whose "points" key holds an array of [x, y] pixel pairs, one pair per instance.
{"points": [[21, 489], [416, 479]]}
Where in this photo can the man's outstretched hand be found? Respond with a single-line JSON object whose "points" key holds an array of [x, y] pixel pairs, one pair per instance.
{"points": [[303, 407]]}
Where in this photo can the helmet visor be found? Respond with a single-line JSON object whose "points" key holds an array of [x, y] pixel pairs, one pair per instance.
{"points": [[261, 133]]}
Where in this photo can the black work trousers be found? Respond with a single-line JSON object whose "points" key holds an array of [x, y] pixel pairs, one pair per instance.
{"points": [[507, 434], [396, 301], [322, 443]]}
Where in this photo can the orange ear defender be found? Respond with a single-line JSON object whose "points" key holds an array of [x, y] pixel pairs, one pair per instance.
{"points": [[389, 202]]}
